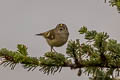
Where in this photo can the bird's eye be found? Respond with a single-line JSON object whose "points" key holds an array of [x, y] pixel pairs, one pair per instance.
{"points": [[61, 29]]}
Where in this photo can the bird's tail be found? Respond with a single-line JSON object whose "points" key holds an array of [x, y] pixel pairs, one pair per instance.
{"points": [[41, 34]]}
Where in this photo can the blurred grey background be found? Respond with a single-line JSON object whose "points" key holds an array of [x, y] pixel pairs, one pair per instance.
{"points": [[20, 20]]}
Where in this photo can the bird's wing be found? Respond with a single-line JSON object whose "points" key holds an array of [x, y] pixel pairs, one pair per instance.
{"points": [[49, 35]]}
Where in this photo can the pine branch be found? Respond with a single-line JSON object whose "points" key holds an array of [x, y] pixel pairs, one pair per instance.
{"points": [[114, 3], [98, 52]]}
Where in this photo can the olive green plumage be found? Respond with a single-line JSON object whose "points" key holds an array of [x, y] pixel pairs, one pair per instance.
{"points": [[56, 37]]}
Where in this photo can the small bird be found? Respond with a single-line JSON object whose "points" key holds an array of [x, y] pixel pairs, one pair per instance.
{"points": [[56, 37]]}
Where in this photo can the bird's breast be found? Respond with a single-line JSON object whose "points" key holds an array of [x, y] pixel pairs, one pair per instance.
{"points": [[58, 41]]}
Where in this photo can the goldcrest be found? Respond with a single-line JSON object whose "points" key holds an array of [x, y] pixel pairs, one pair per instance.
{"points": [[56, 37]]}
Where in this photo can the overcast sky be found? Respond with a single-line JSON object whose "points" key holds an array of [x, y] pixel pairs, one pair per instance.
{"points": [[20, 20]]}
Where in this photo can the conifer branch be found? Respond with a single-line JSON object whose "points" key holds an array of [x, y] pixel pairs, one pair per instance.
{"points": [[87, 55], [114, 3]]}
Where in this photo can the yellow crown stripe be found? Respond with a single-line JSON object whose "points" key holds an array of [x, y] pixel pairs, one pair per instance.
{"points": [[61, 25]]}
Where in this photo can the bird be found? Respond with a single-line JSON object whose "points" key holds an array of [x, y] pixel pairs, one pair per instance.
{"points": [[57, 36]]}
